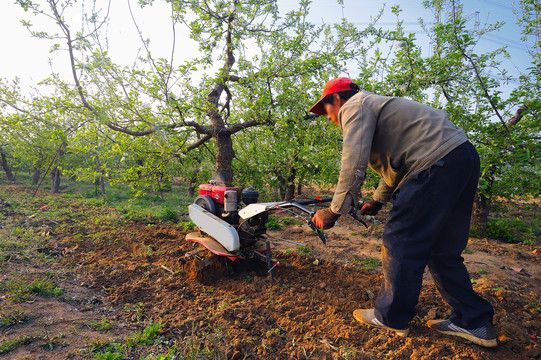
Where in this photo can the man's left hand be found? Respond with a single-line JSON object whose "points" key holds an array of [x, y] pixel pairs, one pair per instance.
{"points": [[325, 218]]}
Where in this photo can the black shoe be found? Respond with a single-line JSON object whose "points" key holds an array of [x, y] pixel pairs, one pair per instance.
{"points": [[484, 336], [367, 316]]}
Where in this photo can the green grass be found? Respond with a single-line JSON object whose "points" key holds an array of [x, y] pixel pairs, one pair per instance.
{"points": [[305, 250], [19, 289], [369, 264], [102, 325], [45, 288], [186, 225], [10, 345], [143, 204], [273, 223], [288, 221], [510, 230], [13, 316], [147, 336]]}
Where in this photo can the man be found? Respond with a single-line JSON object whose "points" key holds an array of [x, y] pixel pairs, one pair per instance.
{"points": [[429, 172]]}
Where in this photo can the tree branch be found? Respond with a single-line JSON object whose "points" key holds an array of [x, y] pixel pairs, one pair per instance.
{"points": [[248, 124], [140, 133], [199, 142], [518, 115]]}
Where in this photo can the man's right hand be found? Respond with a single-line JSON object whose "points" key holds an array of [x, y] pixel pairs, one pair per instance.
{"points": [[325, 219], [371, 207]]}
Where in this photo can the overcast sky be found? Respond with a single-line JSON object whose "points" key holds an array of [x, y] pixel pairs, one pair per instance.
{"points": [[27, 58]]}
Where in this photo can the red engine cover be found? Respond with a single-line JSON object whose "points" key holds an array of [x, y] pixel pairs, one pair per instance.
{"points": [[217, 192]]}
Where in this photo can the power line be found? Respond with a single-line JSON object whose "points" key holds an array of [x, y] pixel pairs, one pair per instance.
{"points": [[507, 7]]}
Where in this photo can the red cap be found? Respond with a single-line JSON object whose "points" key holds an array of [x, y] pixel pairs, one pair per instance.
{"points": [[333, 86]]}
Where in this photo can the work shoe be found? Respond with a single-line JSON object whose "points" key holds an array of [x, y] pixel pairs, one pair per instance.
{"points": [[368, 317], [484, 336]]}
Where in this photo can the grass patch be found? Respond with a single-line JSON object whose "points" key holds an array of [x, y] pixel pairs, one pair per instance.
{"points": [[305, 250], [145, 337], [169, 215], [20, 290], [273, 223], [291, 221], [13, 317], [369, 264], [45, 288], [102, 325], [510, 230], [186, 225], [10, 345]]}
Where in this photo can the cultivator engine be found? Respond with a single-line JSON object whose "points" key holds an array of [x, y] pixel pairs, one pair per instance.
{"points": [[227, 230]]}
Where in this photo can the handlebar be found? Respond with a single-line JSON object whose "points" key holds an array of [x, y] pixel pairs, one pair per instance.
{"points": [[300, 205]]}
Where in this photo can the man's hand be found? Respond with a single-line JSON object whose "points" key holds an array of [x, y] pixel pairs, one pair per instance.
{"points": [[325, 219], [371, 207]]}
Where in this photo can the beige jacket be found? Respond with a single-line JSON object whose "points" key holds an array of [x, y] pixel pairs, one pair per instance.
{"points": [[396, 137]]}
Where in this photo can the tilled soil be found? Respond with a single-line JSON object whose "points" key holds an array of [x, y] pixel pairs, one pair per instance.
{"points": [[305, 312], [137, 273]]}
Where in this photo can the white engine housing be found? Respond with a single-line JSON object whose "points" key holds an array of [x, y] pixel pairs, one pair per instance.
{"points": [[215, 227]]}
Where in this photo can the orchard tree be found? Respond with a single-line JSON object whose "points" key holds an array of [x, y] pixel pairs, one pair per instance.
{"points": [[36, 130], [467, 84], [245, 48]]}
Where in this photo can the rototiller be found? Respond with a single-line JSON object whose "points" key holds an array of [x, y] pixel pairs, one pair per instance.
{"points": [[240, 233]]}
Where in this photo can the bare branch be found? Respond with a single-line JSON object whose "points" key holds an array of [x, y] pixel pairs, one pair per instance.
{"points": [[201, 129], [199, 142], [248, 124], [140, 133]]}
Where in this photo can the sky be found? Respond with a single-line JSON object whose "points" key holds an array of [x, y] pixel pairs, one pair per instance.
{"points": [[30, 59]]}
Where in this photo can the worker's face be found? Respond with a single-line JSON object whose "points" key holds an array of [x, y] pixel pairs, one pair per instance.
{"points": [[334, 108]]}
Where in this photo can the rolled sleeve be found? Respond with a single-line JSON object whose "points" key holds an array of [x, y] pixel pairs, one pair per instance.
{"points": [[383, 192]]}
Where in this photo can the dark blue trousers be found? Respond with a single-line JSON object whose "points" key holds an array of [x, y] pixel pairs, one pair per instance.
{"points": [[429, 225]]}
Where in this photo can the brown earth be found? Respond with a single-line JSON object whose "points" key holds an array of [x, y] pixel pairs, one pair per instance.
{"points": [[137, 273]]}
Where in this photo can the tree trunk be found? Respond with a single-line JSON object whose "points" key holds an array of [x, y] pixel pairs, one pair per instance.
{"points": [[287, 185], [222, 135], [36, 175], [101, 177], [7, 169], [56, 172], [193, 183], [287, 189], [224, 158], [55, 180], [224, 144], [481, 209]]}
